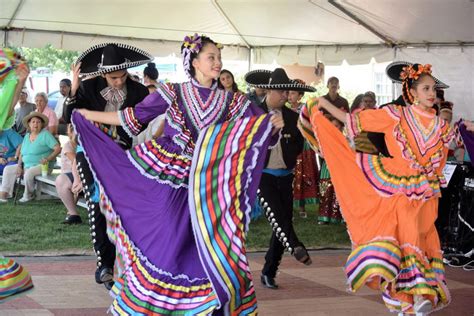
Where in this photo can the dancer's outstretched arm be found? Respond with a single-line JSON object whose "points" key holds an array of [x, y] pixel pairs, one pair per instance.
{"points": [[22, 72], [111, 118], [332, 109]]}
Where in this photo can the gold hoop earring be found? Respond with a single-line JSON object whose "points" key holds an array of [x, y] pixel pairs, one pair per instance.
{"points": [[416, 101]]}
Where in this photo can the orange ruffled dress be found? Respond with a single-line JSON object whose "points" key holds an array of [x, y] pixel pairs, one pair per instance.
{"points": [[390, 204]]}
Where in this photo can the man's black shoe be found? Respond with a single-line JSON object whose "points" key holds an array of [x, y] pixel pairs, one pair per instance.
{"points": [[302, 255], [108, 285], [103, 275], [72, 219], [268, 282]]}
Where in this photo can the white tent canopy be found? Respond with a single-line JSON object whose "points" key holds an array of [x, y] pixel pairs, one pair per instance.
{"points": [[287, 31], [264, 31]]}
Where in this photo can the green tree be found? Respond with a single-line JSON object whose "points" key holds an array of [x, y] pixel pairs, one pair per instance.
{"points": [[48, 56]]}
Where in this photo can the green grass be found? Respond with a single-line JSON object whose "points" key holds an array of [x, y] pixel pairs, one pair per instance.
{"points": [[36, 227]]}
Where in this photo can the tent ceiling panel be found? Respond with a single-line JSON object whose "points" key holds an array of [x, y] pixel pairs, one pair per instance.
{"points": [[309, 56], [288, 31], [158, 20], [261, 23], [298, 22], [431, 21]]}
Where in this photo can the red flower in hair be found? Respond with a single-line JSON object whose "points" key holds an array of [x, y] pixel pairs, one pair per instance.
{"points": [[409, 72]]}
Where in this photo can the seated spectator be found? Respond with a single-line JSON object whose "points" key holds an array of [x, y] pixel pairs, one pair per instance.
{"points": [[23, 110], [64, 182], [41, 100], [9, 143], [227, 82], [39, 147]]}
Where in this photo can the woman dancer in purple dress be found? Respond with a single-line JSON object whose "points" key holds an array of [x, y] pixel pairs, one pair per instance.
{"points": [[178, 206]]}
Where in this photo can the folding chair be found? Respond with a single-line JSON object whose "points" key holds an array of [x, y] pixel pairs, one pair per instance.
{"points": [[16, 188]]}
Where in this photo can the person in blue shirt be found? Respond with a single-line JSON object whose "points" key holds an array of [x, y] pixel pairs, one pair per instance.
{"points": [[9, 142], [38, 147]]}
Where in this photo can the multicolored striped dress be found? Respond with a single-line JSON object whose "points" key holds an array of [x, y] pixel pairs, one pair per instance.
{"points": [[9, 60], [14, 279], [390, 204], [329, 210], [305, 183], [178, 206]]}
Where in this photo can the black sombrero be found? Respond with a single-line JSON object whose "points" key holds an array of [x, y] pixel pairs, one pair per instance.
{"points": [[109, 57], [394, 69], [275, 80]]}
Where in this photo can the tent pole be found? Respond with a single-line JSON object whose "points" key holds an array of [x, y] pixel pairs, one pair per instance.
{"points": [[394, 88], [222, 13], [17, 9], [362, 23], [9, 24], [249, 66]]}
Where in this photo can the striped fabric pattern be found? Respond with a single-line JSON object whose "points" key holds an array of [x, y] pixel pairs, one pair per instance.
{"points": [[353, 126], [142, 293], [175, 119], [304, 123], [417, 186], [167, 92], [238, 105], [202, 113], [228, 160], [157, 162], [418, 276], [143, 289], [378, 258], [129, 122], [363, 144], [398, 273], [14, 279]]}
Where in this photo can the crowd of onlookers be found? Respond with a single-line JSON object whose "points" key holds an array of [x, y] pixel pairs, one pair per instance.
{"points": [[37, 128], [37, 132], [31, 146]]}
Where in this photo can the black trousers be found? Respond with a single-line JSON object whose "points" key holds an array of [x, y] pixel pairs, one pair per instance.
{"points": [[104, 249], [276, 197]]}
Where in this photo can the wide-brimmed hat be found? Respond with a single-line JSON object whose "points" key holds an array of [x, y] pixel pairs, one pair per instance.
{"points": [[39, 115], [275, 80], [109, 57], [394, 70]]}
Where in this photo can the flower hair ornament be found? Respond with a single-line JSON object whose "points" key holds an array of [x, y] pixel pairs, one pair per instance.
{"points": [[192, 45], [409, 72]]}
